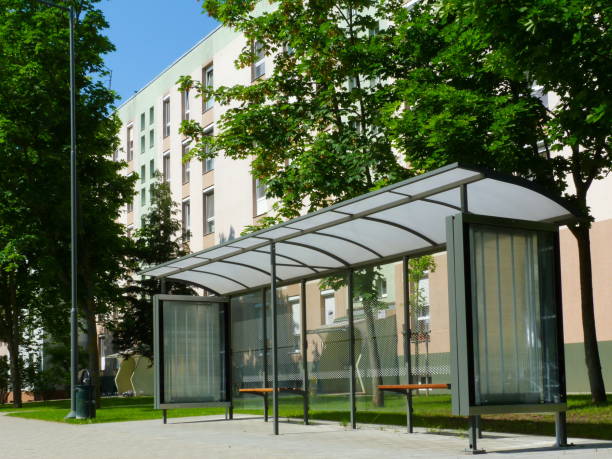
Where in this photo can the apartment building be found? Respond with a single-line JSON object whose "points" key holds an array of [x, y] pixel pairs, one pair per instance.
{"points": [[219, 198]]}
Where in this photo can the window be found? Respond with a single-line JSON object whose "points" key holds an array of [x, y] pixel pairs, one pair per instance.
{"points": [[151, 138], [422, 307], [129, 231], [143, 174], [152, 169], [142, 121], [208, 82], [209, 211], [287, 49], [130, 143], [185, 164], [381, 287], [130, 207], [143, 197], [151, 193], [166, 167], [258, 68], [186, 219], [166, 114], [142, 144], [261, 204], [294, 301], [209, 163], [185, 105], [115, 155], [329, 309], [151, 115]]}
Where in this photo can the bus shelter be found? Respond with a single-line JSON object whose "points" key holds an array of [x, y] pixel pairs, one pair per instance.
{"points": [[505, 315]]}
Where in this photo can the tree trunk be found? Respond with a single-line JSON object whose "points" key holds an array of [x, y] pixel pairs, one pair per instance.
{"points": [[591, 349], [374, 354], [13, 343], [92, 350]]}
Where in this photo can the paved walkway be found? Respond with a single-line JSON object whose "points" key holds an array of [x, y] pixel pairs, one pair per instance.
{"points": [[246, 437]]}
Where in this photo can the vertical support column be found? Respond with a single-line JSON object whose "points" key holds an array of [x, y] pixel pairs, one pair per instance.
{"points": [[163, 292], [407, 336], [228, 359], [264, 325], [351, 330], [304, 342], [274, 335], [560, 430], [476, 423]]}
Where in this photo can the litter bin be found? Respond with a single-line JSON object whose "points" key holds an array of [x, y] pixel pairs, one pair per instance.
{"points": [[85, 400]]}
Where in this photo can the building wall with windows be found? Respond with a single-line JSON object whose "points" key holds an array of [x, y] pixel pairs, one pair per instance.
{"points": [[218, 199]]}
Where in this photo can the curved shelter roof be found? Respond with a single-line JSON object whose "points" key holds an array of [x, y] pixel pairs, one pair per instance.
{"points": [[406, 218]]}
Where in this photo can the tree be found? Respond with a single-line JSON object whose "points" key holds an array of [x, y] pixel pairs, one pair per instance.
{"points": [[313, 126], [468, 69], [160, 239], [34, 159]]}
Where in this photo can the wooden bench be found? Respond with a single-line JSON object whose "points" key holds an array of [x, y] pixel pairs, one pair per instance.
{"points": [[265, 391], [407, 389]]}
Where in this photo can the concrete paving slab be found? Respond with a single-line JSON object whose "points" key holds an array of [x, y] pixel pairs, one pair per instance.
{"points": [[249, 437]]}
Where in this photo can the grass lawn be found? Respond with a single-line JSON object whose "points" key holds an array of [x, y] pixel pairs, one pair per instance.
{"points": [[584, 419]]}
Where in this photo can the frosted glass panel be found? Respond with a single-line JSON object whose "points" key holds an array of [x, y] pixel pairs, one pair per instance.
{"points": [[193, 352], [514, 316]]}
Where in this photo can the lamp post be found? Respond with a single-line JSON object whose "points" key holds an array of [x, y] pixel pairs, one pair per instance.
{"points": [[73, 215]]}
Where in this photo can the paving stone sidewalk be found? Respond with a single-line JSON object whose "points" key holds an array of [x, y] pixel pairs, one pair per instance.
{"points": [[247, 437]]}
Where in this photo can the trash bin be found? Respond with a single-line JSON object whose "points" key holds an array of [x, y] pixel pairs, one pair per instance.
{"points": [[85, 400]]}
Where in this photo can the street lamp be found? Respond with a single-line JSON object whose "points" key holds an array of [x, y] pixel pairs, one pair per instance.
{"points": [[73, 216]]}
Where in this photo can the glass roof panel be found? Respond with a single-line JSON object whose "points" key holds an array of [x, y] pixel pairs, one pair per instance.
{"points": [[436, 181], [316, 220], [383, 238], [502, 199]]}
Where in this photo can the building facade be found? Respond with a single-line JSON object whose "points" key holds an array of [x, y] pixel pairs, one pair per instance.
{"points": [[219, 198]]}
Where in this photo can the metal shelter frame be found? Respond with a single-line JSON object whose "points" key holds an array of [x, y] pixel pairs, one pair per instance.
{"points": [[395, 223]]}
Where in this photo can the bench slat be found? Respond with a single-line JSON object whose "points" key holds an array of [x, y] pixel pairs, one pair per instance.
{"points": [[413, 386]]}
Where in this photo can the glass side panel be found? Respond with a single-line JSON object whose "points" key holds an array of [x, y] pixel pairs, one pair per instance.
{"points": [[193, 352], [514, 316]]}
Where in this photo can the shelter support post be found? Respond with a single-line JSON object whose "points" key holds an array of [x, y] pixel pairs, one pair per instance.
{"points": [[274, 336], [473, 434], [228, 359], [303, 328], [407, 336], [560, 430], [163, 292], [351, 331], [264, 325]]}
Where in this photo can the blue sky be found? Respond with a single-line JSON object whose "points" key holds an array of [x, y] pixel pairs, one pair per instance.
{"points": [[149, 35]]}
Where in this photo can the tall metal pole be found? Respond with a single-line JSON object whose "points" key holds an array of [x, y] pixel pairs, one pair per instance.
{"points": [[74, 331], [274, 336]]}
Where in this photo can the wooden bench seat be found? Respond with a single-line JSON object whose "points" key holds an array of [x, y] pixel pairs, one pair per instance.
{"points": [[269, 390], [402, 388]]}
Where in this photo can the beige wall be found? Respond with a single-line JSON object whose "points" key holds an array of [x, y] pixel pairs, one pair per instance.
{"points": [[601, 253]]}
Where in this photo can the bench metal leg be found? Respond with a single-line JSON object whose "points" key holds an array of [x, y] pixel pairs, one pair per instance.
{"points": [[165, 416]]}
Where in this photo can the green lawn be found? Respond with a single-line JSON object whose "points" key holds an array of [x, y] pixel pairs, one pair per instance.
{"points": [[584, 419]]}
